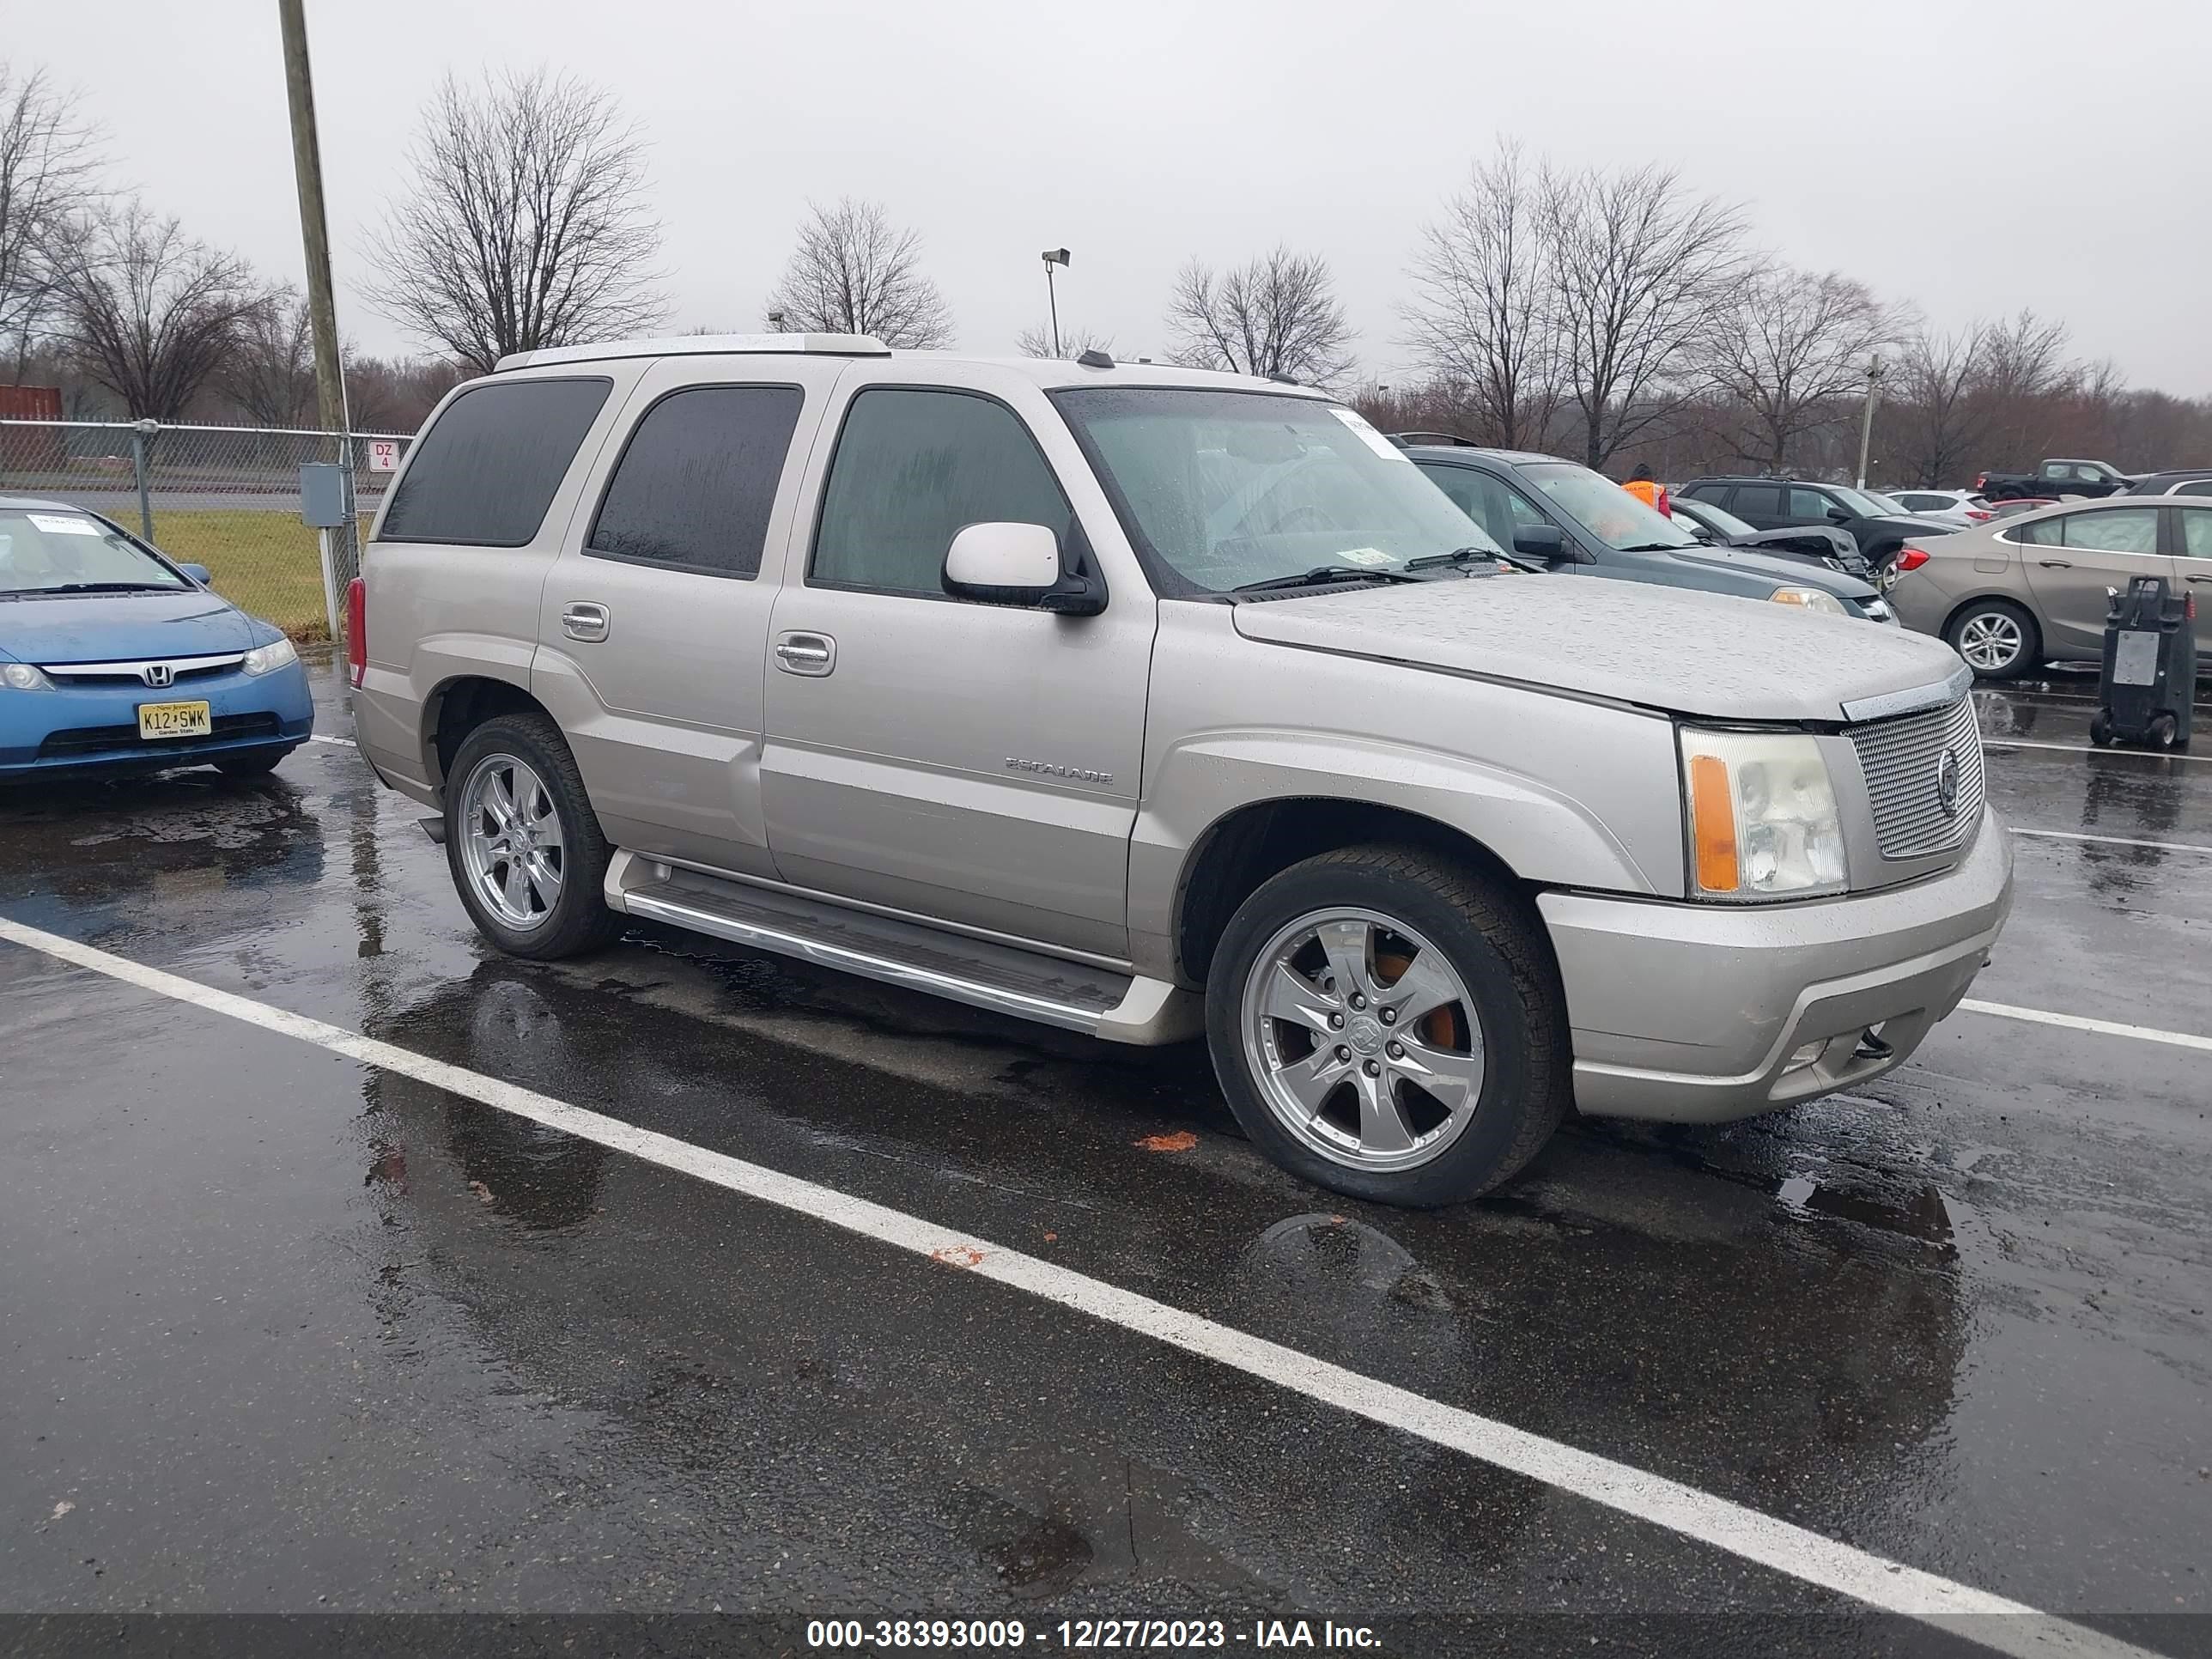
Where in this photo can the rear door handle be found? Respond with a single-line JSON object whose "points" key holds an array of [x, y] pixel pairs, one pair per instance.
{"points": [[585, 622], [811, 654], [2201, 579], [2056, 564]]}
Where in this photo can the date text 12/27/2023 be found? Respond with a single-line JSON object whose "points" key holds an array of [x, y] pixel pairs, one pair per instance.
{"points": [[1086, 1635]]}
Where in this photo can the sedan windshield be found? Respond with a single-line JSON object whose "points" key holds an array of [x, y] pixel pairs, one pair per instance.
{"points": [[62, 552], [1605, 509], [1718, 520], [1221, 490]]}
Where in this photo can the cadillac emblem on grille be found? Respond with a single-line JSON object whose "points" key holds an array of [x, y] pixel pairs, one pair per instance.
{"points": [[1947, 782], [159, 674]]}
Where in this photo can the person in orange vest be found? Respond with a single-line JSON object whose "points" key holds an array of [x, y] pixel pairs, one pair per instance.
{"points": [[1646, 489]]}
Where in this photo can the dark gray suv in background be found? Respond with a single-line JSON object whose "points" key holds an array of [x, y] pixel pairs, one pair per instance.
{"points": [[1573, 520]]}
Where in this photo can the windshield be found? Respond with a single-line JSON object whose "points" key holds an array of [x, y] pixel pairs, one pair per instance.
{"points": [[1718, 520], [1224, 489], [47, 552], [1866, 505], [1604, 508]]}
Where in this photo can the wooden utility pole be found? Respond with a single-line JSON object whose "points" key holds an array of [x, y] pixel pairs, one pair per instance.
{"points": [[314, 228]]}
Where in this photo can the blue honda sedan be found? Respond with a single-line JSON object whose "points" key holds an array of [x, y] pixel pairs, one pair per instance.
{"points": [[112, 658]]}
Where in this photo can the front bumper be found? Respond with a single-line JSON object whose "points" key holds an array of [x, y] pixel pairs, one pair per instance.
{"points": [[94, 729], [1698, 1013]]}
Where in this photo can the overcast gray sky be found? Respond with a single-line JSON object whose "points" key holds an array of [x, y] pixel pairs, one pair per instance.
{"points": [[1974, 156]]}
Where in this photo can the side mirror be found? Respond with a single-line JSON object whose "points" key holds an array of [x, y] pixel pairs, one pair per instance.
{"points": [[1539, 541], [1018, 564], [198, 572], [1837, 515]]}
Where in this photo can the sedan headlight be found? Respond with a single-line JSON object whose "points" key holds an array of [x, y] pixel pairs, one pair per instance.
{"points": [[1812, 599], [268, 658], [1762, 816], [23, 676]]}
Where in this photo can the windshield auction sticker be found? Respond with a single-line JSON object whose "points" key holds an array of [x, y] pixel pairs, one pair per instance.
{"points": [[54, 525], [1368, 435]]}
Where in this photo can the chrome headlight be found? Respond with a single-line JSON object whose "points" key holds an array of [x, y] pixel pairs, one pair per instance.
{"points": [[23, 676], [268, 658], [1812, 599], [1762, 816]]}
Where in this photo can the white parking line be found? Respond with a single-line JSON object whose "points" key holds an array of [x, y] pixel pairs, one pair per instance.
{"points": [[2083, 1023], [2111, 841], [1992, 1621], [1991, 740]]}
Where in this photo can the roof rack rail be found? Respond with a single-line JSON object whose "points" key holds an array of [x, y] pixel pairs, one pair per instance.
{"points": [[820, 345], [1452, 439]]}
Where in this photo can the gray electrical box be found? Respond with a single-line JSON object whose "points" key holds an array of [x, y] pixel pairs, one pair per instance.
{"points": [[322, 495]]}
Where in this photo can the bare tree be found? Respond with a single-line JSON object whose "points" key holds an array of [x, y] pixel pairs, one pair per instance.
{"points": [[150, 313], [1790, 352], [1073, 342], [1639, 271], [270, 372], [1277, 315], [527, 225], [854, 272], [48, 158], [396, 394], [1983, 395], [1484, 320]]}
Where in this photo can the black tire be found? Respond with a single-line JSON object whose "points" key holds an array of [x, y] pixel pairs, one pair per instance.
{"points": [[2030, 656], [579, 920], [2100, 730], [251, 766], [2164, 731], [1494, 943]]}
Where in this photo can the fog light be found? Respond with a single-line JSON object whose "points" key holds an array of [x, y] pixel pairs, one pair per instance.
{"points": [[1806, 1054]]}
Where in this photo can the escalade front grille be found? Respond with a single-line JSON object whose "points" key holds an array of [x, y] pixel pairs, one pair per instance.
{"points": [[1903, 761]]}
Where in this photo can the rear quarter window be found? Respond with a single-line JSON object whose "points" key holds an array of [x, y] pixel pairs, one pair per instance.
{"points": [[484, 473]]}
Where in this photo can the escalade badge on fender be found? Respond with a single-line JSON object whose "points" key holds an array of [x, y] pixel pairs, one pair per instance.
{"points": [[1047, 768], [1947, 782]]}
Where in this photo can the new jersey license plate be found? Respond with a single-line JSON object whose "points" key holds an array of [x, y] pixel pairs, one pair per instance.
{"points": [[173, 720]]}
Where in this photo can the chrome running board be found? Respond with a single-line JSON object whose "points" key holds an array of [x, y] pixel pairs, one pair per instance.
{"points": [[1005, 979]]}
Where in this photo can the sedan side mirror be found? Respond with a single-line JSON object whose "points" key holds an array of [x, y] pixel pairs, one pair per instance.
{"points": [[1018, 564], [198, 572], [1540, 541]]}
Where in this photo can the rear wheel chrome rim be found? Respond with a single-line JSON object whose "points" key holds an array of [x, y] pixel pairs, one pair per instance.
{"points": [[1363, 1039], [512, 847], [1991, 640]]}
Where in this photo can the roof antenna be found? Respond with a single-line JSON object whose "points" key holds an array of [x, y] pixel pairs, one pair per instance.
{"points": [[1094, 358]]}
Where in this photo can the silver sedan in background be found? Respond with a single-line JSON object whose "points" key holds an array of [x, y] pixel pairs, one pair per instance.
{"points": [[2020, 592]]}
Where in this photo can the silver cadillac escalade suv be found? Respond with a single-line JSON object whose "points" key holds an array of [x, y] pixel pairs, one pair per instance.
{"points": [[1149, 702]]}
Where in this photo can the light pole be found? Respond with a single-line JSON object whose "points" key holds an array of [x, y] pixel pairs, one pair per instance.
{"points": [[775, 322], [1054, 255], [1874, 374]]}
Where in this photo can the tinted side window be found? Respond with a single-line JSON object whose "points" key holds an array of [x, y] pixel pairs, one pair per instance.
{"points": [[485, 473], [2130, 530], [1809, 504], [695, 484], [1758, 498], [2194, 487], [911, 468], [2039, 532], [1717, 493]]}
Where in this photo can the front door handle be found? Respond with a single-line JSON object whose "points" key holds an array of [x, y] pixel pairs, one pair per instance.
{"points": [[585, 622], [2201, 579], [2056, 564], [811, 654]]}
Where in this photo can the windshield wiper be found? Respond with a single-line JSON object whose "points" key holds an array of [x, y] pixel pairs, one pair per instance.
{"points": [[1327, 572], [1466, 556], [110, 587], [1659, 547]]}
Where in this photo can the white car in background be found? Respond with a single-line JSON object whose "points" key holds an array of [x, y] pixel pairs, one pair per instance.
{"points": [[1961, 508]]}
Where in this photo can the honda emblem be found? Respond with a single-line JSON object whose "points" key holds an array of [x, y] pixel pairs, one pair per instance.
{"points": [[159, 674]]}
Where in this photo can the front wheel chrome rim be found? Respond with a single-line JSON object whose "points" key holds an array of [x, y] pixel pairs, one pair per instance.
{"points": [[1363, 1039], [1989, 640], [512, 847]]}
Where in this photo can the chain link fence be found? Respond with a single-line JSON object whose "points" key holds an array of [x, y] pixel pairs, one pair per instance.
{"points": [[224, 497]]}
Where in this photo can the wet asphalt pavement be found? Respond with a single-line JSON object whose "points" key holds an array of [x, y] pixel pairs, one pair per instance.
{"points": [[281, 1333]]}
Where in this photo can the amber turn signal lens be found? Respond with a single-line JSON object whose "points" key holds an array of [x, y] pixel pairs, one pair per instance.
{"points": [[1712, 823]]}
